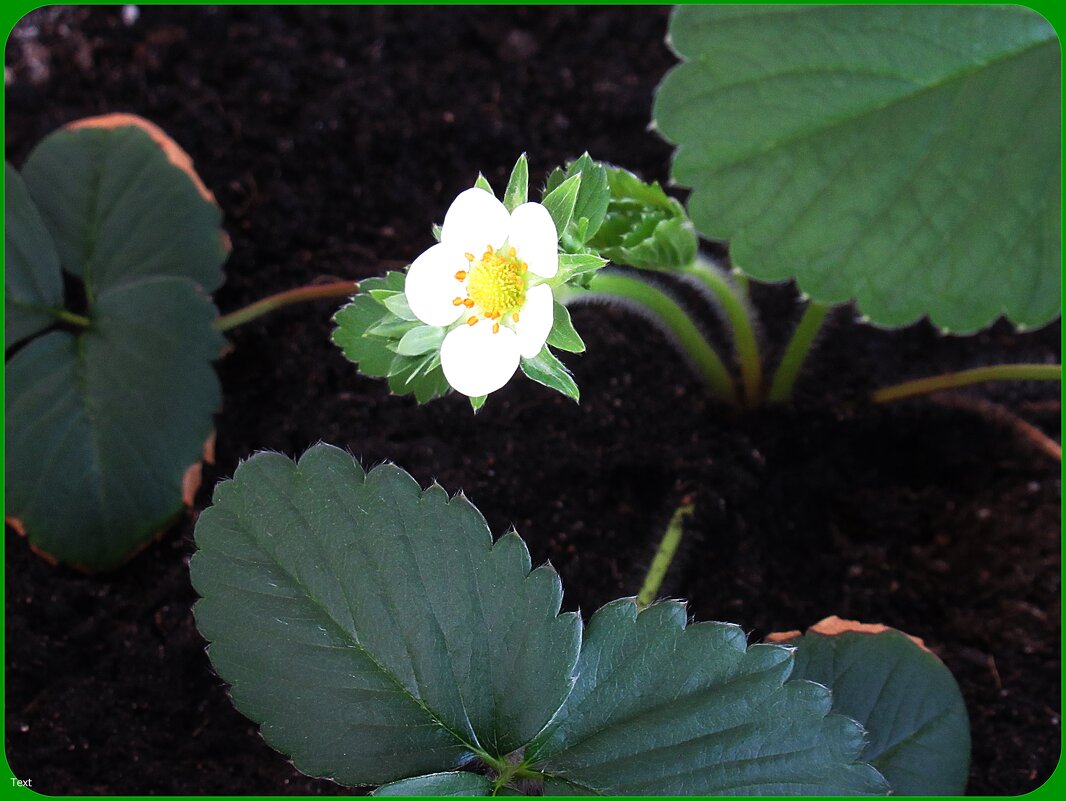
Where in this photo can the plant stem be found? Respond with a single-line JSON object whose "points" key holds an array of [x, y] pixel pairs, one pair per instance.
{"points": [[338, 289], [962, 378], [796, 352], [71, 317], [663, 556], [734, 302], [660, 306]]}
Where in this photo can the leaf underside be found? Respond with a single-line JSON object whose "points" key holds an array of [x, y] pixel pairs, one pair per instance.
{"points": [[907, 158], [378, 635], [919, 732], [103, 422]]}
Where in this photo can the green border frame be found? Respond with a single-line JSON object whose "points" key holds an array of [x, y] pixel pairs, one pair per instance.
{"points": [[11, 13]]}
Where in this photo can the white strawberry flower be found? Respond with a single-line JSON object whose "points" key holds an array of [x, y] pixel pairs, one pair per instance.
{"points": [[485, 279]]}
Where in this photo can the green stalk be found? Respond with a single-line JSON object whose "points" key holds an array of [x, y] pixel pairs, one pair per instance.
{"points": [[71, 317], [734, 303], [663, 556], [338, 289], [962, 378], [796, 353], [629, 289]]}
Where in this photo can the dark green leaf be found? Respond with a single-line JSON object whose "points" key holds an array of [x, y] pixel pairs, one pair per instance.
{"points": [[119, 210], [518, 186], [560, 202], [665, 708], [372, 629], [563, 335], [545, 369], [919, 733], [32, 280], [101, 427], [439, 784], [908, 158]]}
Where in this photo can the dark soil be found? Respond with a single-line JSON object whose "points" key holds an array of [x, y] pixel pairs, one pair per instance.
{"points": [[332, 140]]}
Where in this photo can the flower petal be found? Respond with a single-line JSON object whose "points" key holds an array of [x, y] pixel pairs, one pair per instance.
{"points": [[475, 220], [431, 285], [535, 320], [533, 235], [477, 361]]}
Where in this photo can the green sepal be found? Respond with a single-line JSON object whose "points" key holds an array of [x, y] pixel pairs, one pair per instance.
{"points": [[399, 306], [563, 335], [517, 191], [560, 203], [483, 183], [577, 268], [419, 340], [644, 227], [477, 402], [545, 369]]}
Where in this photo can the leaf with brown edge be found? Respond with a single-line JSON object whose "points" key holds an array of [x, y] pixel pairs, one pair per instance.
{"points": [[913, 711]]}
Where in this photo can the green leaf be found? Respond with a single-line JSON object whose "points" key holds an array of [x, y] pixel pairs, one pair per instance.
{"points": [[644, 227], [361, 315], [102, 426], [374, 630], [483, 183], [908, 158], [517, 191], [545, 369], [563, 335], [439, 784], [919, 733], [32, 280], [423, 339], [560, 202], [119, 210], [665, 708]]}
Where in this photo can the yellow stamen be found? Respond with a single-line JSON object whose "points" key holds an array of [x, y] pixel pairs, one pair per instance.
{"points": [[511, 252], [469, 256], [457, 302], [468, 303], [515, 317], [495, 328], [496, 283], [472, 320], [461, 275]]}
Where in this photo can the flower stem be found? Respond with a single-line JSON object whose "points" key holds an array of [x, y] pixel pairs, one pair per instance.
{"points": [[338, 289], [637, 293], [796, 352], [962, 378], [663, 556], [733, 299]]}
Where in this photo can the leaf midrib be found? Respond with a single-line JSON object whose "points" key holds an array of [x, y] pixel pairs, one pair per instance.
{"points": [[349, 638]]}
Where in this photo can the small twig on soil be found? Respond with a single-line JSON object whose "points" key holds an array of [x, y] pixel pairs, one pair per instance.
{"points": [[337, 289], [665, 554], [1000, 415], [962, 378]]}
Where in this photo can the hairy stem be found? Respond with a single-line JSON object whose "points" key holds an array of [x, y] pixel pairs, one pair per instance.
{"points": [[733, 299], [796, 352], [71, 317], [962, 378], [338, 289], [663, 556], [636, 293]]}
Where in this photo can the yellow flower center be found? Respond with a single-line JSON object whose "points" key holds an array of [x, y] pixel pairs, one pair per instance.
{"points": [[497, 283]]}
